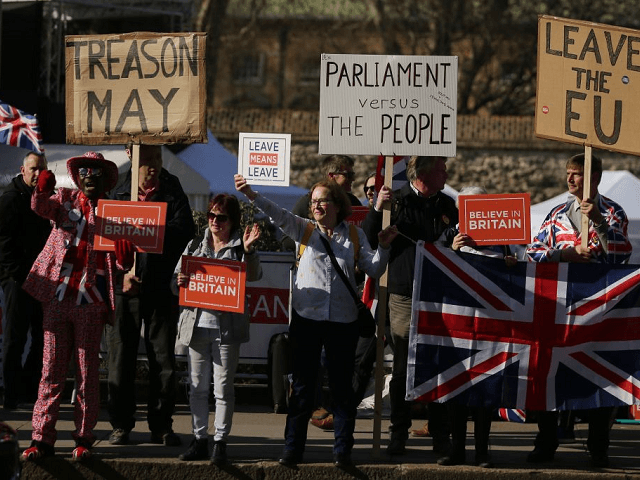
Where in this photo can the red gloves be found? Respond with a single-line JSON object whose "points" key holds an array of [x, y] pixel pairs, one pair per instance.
{"points": [[46, 181], [124, 253]]}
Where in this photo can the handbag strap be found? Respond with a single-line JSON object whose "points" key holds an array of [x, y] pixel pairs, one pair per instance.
{"points": [[338, 268]]}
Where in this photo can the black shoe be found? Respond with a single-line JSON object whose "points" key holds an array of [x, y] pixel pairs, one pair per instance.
{"points": [[219, 454], [483, 460], [453, 459], [168, 439], [119, 436], [540, 455], [342, 460], [396, 445], [290, 459], [198, 450], [599, 460]]}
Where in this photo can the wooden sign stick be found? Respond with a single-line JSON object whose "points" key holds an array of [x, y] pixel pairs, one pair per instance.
{"points": [[382, 320], [586, 193], [135, 176]]}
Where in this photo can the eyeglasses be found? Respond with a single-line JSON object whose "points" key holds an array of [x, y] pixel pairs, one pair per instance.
{"points": [[220, 217], [85, 172], [370, 188], [349, 175], [321, 201]]}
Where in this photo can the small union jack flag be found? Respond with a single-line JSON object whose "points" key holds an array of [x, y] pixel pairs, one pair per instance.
{"points": [[539, 336], [19, 129], [399, 172]]}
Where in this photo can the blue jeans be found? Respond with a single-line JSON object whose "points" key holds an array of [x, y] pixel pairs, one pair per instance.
{"points": [[307, 339], [207, 354]]}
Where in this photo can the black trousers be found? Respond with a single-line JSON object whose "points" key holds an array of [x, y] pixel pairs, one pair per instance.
{"points": [[308, 337], [599, 420], [22, 313], [458, 415], [158, 314]]}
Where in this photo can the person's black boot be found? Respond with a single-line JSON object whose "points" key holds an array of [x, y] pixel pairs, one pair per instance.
{"points": [[219, 454], [198, 450]]}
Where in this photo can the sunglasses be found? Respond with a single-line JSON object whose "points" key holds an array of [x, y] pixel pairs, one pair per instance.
{"points": [[349, 175], [220, 217], [370, 188], [85, 172]]}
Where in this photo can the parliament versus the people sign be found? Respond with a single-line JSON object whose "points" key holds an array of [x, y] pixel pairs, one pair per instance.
{"points": [[388, 105], [213, 284], [588, 84], [141, 87]]}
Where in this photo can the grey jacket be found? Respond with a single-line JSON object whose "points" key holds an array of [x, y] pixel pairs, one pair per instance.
{"points": [[234, 327]]}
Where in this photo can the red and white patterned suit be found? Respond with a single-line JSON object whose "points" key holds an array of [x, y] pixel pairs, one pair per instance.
{"points": [[76, 287]]}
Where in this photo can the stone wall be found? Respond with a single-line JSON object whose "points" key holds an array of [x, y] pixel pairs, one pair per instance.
{"points": [[501, 154], [540, 173]]}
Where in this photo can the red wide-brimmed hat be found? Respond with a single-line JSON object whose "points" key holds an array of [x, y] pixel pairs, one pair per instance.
{"points": [[109, 169]]}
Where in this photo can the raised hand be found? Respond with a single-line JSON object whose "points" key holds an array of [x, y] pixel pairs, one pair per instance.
{"points": [[251, 234], [46, 181]]}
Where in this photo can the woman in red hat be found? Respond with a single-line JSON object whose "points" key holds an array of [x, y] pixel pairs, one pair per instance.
{"points": [[75, 284]]}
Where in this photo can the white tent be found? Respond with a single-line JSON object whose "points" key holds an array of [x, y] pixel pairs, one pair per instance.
{"points": [[622, 187], [218, 165], [194, 185]]}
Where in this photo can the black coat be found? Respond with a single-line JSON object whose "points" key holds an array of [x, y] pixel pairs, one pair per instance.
{"points": [[153, 269], [418, 218], [23, 233]]}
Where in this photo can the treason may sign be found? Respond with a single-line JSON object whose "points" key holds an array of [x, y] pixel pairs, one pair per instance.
{"points": [[388, 105], [588, 84], [136, 87]]}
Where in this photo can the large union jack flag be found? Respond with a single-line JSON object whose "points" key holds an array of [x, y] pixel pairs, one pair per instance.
{"points": [[540, 336], [19, 129]]}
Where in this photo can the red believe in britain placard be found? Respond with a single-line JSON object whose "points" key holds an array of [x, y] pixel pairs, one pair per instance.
{"points": [[500, 219], [141, 222], [213, 284], [357, 216]]}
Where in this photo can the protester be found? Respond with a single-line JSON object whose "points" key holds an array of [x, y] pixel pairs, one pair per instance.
{"points": [[75, 284], [337, 168], [370, 189], [559, 240], [324, 312], [421, 212], [458, 414], [145, 297], [23, 234], [214, 336]]}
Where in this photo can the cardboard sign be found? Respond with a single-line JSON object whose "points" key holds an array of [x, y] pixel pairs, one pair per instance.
{"points": [[213, 284], [588, 84], [496, 219], [141, 222], [136, 87], [388, 105], [264, 158], [357, 216]]}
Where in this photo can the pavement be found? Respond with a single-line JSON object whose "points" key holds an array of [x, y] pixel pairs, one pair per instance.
{"points": [[256, 442]]}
